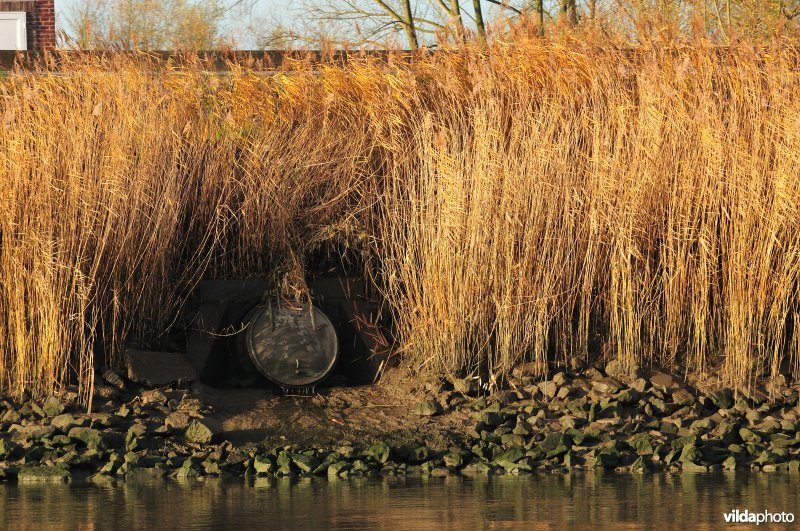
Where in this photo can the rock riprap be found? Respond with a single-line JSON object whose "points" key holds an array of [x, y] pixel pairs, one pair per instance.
{"points": [[627, 421]]}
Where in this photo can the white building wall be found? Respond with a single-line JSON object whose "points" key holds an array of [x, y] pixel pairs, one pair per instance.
{"points": [[12, 31]]}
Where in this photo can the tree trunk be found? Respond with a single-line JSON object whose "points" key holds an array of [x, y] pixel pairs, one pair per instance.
{"points": [[455, 12], [569, 11], [479, 20], [540, 11], [411, 31]]}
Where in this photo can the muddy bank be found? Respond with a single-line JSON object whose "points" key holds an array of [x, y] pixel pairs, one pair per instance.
{"points": [[631, 421]]}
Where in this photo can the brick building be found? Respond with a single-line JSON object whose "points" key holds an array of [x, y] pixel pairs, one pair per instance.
{"points": [[39, 22]]}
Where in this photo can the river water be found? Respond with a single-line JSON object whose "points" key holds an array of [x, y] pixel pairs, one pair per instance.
{"points": [[589, 500]]}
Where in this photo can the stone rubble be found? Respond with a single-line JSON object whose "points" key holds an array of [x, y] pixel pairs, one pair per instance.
{"points": [[623, 420]]}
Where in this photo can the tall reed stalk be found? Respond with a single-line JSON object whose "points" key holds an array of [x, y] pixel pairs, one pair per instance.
{"points": [[514, 203]]}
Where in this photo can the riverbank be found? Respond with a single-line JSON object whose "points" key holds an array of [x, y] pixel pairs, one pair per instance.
{"points": [[608, 418]]}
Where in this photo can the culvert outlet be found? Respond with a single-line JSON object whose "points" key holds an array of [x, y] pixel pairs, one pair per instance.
{"points": [[294, 348]]}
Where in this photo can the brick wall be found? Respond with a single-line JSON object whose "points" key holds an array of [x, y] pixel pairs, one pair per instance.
{"points": [[41, 21]]}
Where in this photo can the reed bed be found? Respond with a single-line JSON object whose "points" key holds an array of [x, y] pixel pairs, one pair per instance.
{"points": [[519, 203]]}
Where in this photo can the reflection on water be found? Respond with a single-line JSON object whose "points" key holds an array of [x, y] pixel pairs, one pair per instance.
{"points": [[542, 502]]}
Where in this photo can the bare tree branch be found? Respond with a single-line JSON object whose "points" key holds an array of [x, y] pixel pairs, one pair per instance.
{"points": [[504, 5]]}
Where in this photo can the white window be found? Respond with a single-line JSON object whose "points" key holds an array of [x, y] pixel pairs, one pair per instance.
{"points": [[12, 31]]}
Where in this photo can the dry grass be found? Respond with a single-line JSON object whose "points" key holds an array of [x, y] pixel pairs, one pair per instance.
{"points": [[522, 203]]}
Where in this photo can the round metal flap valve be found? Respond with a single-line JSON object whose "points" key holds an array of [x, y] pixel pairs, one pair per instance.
{"points": [[293, 347]]}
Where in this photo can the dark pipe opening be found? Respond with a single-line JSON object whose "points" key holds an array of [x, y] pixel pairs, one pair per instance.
{"points": [[222, 346]]}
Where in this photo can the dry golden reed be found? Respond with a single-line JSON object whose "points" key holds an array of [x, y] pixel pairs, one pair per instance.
{"points": [[516, 203]]}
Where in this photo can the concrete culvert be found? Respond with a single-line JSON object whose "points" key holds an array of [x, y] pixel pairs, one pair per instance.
{"points": [[240, 338]]}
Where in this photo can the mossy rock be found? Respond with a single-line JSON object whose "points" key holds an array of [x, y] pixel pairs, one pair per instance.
{"points": [[727, 432], [480, 450], [571, 459], [35, 454], [63, 422], [112, 465], [491, 419], [749, 436], [285, 471], [556, 443], [511, 455], [8, 449], [642, 443], [578, 407], [346, 451], [658, 405], [477, 468], [88, 436], [714, 455], [151, 461], [768, 457], [11, 416], [608, 409], [283, 459], [337, 468], [380, 452], [187, 472], [591, 434], [454, 460], [359, 465], [202, 431], [262, 464], [691, 453], [783, 441], [113, 440], [770, 426], [594, 411], [522, 428], [414, 454], [428, 408], [628, 397], [668, 428], [683, 397], [43, 473], [52, 406], [568, 422], [606, 459], [31, 432], [754, 449], [701, 426], [76, 460], [577, 436], [511, 439], [680, 442], [723, 398], [642, 464], [305, 463], [730, 463], [689, 466], [479, 404], [515, 467], [501, 431]]}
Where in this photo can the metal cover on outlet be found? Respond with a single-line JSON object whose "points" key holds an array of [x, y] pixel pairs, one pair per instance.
{"points": [[292, 347]]}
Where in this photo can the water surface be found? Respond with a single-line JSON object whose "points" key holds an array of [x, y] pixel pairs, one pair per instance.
{"points": [[541, 502]]}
